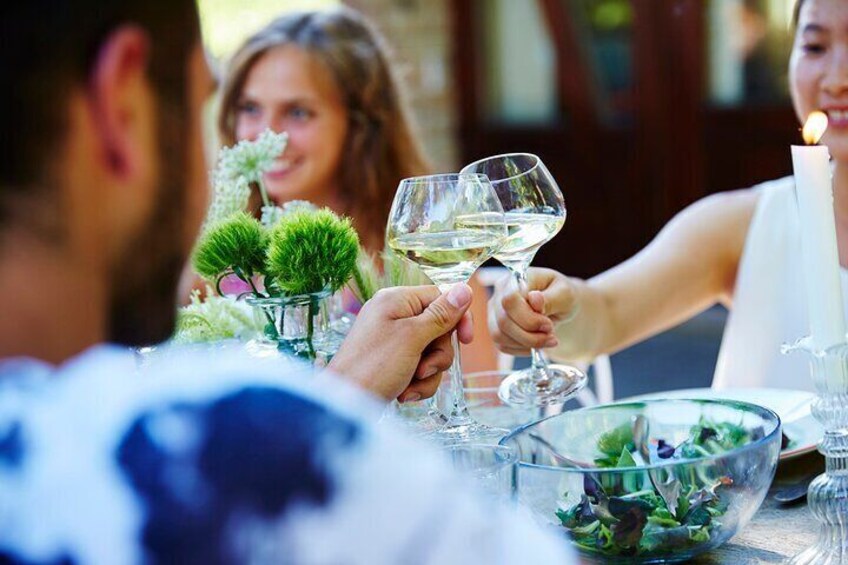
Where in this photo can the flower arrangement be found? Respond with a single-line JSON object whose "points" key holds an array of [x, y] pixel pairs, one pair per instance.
{"points": [[296, 250], [307, 251], [292, 250]]}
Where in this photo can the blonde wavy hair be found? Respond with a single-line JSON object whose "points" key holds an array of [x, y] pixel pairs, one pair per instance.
{"points": [[381, 148], [796, 13]]}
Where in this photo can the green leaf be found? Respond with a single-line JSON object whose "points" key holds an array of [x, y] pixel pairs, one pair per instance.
{"points": [[630, 481], [663, 521], [699, 535], [612, 442]]}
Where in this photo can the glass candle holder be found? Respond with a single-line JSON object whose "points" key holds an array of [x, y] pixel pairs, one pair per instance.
{"points": [[828, 493]]}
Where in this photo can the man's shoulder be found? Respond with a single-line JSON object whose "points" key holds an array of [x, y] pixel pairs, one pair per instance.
{"points": [[116, 379], [195, 438]]}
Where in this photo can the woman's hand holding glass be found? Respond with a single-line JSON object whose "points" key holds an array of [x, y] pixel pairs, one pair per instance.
{"points": [[520, 323]]}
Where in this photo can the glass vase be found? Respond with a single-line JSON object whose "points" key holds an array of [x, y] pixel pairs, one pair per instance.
{"points": [[341, 321], [298, 326]]}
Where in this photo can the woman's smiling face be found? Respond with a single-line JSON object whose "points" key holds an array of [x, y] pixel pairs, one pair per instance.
{"points": [[287, 89], [818, 69]]}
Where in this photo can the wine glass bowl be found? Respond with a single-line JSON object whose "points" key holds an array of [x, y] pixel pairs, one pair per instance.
{"points": [[534, 212], [534, 208]]}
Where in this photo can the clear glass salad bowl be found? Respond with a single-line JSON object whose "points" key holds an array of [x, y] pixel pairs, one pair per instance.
{"points": [[652, 481]]}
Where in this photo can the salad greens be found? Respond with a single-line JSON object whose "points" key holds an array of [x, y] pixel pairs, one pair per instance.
{"points": [[652, 510], [705, 439], [640, 522]]}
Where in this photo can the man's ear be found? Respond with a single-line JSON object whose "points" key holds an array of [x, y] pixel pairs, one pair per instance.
{"points": [[118, 94]]}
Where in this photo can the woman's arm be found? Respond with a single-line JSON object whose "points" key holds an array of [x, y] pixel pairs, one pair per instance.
{"points": [[689, 266]]}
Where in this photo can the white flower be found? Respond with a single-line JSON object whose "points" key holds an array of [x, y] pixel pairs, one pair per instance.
{"points": [[238, 166], [228, 197], [251, 159], [217, 318], [293, 206], [271, 215]]}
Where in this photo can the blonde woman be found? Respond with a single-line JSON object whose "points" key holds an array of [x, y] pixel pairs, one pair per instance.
{"points": [[325, 77]]}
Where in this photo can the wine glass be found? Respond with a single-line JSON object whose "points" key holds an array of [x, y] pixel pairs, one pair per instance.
{"points": [[534, 211], [427, 225]]}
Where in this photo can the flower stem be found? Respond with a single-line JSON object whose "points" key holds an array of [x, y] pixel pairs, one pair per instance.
{"points": [[218, 282], [310, 328], [249, 280], [263, 192]]}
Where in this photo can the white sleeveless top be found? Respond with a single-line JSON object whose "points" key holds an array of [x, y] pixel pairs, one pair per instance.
{"points": [[769, 304]]}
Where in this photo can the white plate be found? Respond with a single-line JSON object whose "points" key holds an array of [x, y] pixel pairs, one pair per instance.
{"points": [[793, 407]]}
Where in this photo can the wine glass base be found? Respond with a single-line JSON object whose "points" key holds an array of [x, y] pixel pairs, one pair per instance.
{"points": [[417, 418], [466, 430], [526, 388]]}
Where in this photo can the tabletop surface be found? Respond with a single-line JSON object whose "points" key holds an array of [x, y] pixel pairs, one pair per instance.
{"points": [[776, 532]]}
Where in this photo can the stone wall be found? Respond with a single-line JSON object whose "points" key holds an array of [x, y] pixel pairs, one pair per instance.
{"points": [[419, 33]]}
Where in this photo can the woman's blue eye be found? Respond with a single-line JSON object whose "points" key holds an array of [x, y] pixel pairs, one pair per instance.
{"points": [[248, 108], [300, 113]]}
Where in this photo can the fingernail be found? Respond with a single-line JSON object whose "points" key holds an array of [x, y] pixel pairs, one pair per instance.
{"points": [[459, 295], [431, 372], [411, 397], [552, 342], [546, 327]]}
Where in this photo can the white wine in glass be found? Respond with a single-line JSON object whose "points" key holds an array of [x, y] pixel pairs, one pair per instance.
{"points": [[526, 232], [425, 226], [449, 257], [534, 212]]}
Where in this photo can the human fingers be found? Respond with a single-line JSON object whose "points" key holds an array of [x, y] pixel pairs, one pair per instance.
{"points": [[444, 313], [511, 334], [419, 389], [516, 308], [559, 300], [437, 357], [465, 328]]}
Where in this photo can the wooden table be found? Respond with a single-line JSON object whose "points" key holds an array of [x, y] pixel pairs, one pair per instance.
{"points": [[776, 532]]}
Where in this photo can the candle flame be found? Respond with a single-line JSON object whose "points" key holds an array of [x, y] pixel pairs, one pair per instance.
{"points": [[814, 127]]}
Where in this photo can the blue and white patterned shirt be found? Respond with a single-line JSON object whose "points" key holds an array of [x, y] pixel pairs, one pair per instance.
{"points": [[213, 457]]}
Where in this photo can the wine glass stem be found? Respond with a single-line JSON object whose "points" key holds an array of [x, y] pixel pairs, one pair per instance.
{"points": [[537, 360], [459, 409]]}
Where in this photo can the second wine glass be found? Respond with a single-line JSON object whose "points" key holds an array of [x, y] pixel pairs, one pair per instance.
{"points": [[427, 226], [534, 211]]}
